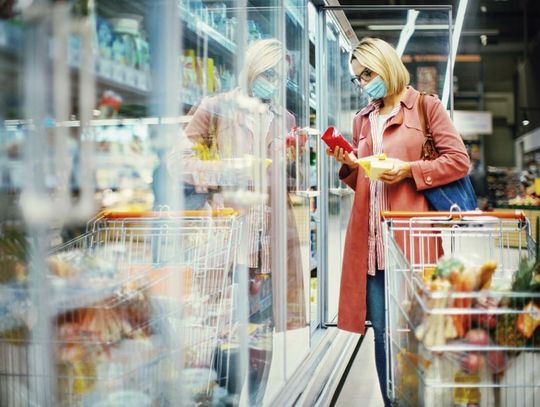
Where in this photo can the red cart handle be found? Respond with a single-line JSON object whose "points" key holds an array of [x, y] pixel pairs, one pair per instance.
{"points": [[517, 214]]}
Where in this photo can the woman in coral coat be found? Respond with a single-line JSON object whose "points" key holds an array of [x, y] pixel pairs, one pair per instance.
{"points": [[389, 124]]}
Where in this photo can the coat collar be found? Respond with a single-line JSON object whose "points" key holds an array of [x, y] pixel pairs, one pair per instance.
{"points": [[408, 100]]}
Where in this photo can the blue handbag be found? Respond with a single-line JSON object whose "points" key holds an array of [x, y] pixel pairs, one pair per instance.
{"points": [[455, 195]]}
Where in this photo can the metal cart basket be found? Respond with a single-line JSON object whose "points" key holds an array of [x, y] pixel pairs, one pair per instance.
{"points": [[452, 341], [140, 303]]}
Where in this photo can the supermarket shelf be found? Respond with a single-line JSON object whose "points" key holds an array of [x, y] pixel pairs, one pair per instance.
{"points": [[216, 40], [523, 207], [107, 72]]}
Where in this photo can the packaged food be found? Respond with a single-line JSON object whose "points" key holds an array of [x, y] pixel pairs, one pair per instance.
{"points": [[376, 165], [334, 139]]}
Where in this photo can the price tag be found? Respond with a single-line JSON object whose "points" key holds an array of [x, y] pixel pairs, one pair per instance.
{"points": [[105, 68], [130, 77], [118, 73]]}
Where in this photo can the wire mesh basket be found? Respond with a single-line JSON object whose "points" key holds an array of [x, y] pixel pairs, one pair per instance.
{"points": [[460, 332], [140, 304]]}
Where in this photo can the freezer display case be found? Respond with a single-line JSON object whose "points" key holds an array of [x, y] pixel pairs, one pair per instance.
{"points": [[421, 36], [155, 231]]}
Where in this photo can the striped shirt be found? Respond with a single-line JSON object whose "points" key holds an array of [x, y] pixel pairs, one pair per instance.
{"points": [[377, 190]]}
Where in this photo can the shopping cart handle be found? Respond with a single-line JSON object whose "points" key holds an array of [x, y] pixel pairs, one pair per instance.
{"points": [[517, 214], [167, 214]]}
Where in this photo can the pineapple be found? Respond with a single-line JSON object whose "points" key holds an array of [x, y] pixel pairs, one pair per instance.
{"points": [[506, 333]]}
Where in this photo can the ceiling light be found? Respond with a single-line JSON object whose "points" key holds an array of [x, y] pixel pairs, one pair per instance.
{"points": [[407, 31], [399, 27], [483, 9], [456, 33], [525, 121], [483, 39]]}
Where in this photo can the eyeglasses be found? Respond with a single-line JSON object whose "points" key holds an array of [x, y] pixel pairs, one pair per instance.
{"points": [[271, 74], [365, 76]]}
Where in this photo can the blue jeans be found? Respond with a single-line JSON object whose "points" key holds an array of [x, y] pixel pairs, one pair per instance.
{"points": [[376, 314]]}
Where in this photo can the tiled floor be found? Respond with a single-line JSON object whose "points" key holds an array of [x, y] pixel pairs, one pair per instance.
{"points": [[361, 388]]}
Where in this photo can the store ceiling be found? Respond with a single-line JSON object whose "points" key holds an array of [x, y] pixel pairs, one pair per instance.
{"points": [[494, 31], [503, 22]]}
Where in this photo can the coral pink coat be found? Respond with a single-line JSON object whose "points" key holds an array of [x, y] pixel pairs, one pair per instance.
{"points": [[402, 138]]}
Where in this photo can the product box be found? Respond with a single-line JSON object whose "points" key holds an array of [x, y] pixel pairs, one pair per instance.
{"points": [[375, 165]]}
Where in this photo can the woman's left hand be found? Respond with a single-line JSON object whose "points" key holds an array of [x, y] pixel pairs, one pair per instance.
{"points": [[400, 171]]}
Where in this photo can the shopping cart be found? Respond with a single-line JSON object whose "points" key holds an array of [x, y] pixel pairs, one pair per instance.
{"points": [[457, 332], [141, 304]]}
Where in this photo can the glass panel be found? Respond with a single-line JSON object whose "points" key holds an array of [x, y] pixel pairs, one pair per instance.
{"points": [[128, 113], [425, 53], [425, 56], [341, 98]]}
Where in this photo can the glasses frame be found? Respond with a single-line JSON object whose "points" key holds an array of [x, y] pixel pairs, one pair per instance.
{"points": [[365, 75]]}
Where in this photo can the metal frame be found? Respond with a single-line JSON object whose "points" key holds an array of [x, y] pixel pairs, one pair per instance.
{"points": [[322, 122]]}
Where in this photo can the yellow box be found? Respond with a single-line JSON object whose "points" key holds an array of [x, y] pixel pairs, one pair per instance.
{"points": [[376, 165], [210, 75], [537, 186]]}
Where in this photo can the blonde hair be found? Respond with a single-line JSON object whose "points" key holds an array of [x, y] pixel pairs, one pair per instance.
{"points": [[380, 57], [261, 55]]}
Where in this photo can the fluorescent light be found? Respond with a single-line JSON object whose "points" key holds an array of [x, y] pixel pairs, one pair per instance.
{"points": [[483, 39], [399, 27], [455, 42], [407, 31]]}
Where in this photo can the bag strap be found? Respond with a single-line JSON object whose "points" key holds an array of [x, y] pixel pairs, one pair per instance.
{"points": [[429, 151]]}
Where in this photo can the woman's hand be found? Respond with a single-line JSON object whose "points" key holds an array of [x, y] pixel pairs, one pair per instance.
{"points": [[400, 171], [343, 157]]}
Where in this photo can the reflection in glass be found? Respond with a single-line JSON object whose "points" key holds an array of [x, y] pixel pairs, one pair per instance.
{"points": [[224, 148]]}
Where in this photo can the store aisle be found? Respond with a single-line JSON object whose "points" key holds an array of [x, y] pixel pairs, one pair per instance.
{"points": [[361, 387]]}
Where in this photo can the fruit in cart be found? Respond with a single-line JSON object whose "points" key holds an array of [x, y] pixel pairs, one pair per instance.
{"points": [[477, 337], [432, 331], [528, 320], [472, 362], [487, 320], [496, 360], [506, 333], [448, 268], [486, 273]]}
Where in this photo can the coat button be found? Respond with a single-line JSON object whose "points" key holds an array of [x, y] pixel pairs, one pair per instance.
{"points": [[428, 179]]}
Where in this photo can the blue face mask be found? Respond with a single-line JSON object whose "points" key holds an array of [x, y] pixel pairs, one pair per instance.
{"points": [[376, 89], [263, 89]]}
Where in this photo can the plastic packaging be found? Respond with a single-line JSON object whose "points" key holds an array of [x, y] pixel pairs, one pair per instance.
{"points": [[334, 139], [376, 165]]}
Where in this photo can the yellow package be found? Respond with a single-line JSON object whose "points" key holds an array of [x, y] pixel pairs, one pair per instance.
{"points": [[375, 165]]}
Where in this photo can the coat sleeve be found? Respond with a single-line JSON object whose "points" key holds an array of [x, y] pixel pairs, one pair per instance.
{"points": [[182, 157], [347, 174], [453, 162]]}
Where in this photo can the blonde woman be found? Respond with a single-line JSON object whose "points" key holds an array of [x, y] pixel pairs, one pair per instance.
{"points": [[389, 124], [222, 123]]}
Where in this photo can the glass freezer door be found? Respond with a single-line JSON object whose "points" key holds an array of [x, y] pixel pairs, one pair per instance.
{"points": [[155, 196], [423, 37]]}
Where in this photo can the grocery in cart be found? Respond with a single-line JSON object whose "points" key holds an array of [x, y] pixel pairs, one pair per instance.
{"points": [[140, 305], [463, 307]]}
